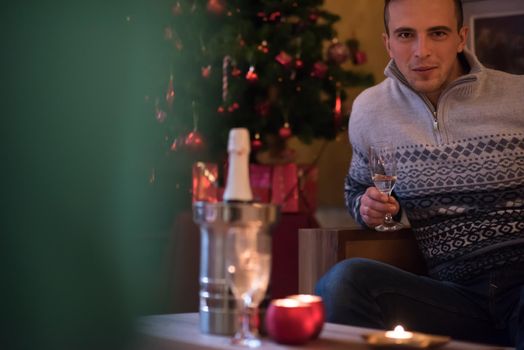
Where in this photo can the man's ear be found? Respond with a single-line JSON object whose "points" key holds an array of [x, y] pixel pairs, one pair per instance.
{"points": [[463, 35], [385, 39]]}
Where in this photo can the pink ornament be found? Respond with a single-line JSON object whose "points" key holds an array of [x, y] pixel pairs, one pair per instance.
{"points": [[216, 6], [299, 64], [360, 57], [284, 59], [338, 53], [319, 70], [194, 141], [285, 131], [206, 71]]}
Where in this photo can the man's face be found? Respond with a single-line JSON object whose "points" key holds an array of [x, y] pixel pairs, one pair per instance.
{"points": [[424, 41]]}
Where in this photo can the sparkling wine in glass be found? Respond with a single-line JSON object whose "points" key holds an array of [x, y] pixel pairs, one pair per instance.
{"points": [[248, 262], [383, 167]]}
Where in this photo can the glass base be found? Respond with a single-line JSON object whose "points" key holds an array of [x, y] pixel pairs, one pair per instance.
{"points": [[391, 226], [250, 342]]}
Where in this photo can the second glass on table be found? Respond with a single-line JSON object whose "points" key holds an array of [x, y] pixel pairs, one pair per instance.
{"points": [[248, 264], [383, 168]]}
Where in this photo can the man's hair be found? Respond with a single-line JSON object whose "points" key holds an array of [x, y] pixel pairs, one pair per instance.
{"points": [[458, 11]]}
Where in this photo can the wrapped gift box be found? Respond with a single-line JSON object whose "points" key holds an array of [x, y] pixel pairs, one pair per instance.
{"points": [[204, 182]]}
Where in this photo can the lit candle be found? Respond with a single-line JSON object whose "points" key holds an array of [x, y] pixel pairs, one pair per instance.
{"points": [[317, 309], [399, 333], [289, 321]]}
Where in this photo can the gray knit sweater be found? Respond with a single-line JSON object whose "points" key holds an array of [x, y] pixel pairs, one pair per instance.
{"points": [[460, 166]]}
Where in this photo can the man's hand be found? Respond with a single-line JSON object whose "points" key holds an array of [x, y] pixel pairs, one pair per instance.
{"points": [[374, 205]]}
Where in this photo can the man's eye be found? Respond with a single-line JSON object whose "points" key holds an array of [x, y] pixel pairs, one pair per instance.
{"points": [[439, 34], [404, 35]]}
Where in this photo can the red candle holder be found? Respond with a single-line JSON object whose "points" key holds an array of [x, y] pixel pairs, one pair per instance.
{"points": [[290, 321], [317, 310]]}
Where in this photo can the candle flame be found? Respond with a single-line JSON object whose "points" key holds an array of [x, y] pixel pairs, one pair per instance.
{"points": [[399, 333]]}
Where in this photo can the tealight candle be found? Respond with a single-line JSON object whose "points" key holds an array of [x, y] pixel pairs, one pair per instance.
{"points": [[399, 333], [290, 321], [317, 309]]}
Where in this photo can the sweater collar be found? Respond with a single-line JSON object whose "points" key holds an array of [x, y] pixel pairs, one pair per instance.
{"points": [[476, 69]]}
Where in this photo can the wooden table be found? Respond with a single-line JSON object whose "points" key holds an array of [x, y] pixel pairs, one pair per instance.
{"points": [[180, 331]]}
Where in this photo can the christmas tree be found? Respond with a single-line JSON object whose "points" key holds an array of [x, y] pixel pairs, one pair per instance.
{"points": [[272, 66]]}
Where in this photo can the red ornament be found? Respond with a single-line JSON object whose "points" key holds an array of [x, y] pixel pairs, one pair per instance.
{"points": [[360, 57], [284, 59], [313, 17], [251, 75], [338, 53], [319, 70], [285, 131], [317, 308], [256, 144], [275, 16], [176, 9], [235, 72], [216, 6], [233, 107], [177, 144], [289, 321], [170, 94], [262, 108], [299, 64], [221, 109], [263, 47], [206, 71], [194, 140]]}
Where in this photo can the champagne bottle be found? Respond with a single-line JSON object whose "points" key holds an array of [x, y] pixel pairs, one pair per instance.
{"points": [[238, 188]]}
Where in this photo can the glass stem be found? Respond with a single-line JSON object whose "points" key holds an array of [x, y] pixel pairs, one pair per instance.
{"points": [[246, 318], [388, 219]]}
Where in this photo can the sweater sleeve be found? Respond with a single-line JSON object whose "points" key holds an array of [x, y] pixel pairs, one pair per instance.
{"points": [[356, 183]]}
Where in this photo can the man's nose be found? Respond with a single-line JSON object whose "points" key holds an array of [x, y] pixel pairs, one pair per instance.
{"points": [[422, 46]]}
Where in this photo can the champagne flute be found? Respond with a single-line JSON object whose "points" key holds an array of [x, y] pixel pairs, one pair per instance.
{"points": [[248, 262], [383, 167]]}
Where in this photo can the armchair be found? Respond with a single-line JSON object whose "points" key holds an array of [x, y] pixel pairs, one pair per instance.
{"points": [[321, 248]]}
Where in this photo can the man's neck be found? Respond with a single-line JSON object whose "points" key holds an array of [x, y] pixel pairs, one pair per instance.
{"points": [[459, 69]]}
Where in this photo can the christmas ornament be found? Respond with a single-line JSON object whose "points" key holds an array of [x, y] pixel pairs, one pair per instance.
{"points": [[263, 47], [299, 64], [251, 75], [338, 52], [216, 6], [194, 141], [170, 94], [256, 144], [225, 83], [275, 16], [284, 59], [285, 131], [168, 33], [160, 115], [319, 70], [337, 110], [313, 17], [360, 57], [233, 107], [176, 9], [206, 71], [235, 72], [262, 108], [177, 144]]}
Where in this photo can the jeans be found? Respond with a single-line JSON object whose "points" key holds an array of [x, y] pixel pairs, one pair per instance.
{"points": [[368, 293]]}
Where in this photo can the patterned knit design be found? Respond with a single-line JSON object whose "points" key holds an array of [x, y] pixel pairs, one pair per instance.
{"points": [[465, 203], [464, 200]]}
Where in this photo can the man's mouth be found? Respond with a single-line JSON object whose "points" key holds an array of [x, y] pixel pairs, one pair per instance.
{"points": [[423, 68]]}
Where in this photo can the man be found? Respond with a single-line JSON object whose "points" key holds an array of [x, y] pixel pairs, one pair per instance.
{"points": [[459, 134]]}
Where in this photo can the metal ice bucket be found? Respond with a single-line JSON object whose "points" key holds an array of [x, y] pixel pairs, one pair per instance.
{"points": [[218, 312]]}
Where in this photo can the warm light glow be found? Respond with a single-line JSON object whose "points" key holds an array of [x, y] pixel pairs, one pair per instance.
{"points": [[306, 298], [287, 303], [399, 333]]}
